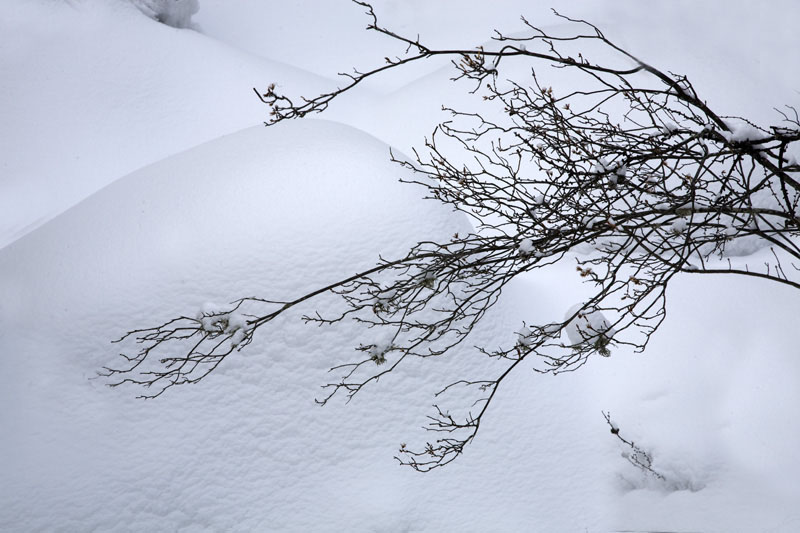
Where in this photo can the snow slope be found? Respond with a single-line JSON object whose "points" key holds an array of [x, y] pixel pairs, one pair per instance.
{"points": [[95, 90], [252, 213], [718, 45], [247, 449]]}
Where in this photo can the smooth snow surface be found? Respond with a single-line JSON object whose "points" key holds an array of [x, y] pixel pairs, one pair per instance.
{"points": [[136, 184], [92, 90]]}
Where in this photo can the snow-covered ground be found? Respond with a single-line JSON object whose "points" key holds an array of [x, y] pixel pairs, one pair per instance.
{"points": [[136, 183]]}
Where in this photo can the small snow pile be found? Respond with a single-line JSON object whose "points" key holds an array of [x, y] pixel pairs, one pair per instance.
{"points": [[591, 221], [669, 127], [384, 300], [526, 247], [614, 177], [175, 13], [589, 328], [742, 132], [525, 337], [217, 321], [377, 352], [679, 226]]}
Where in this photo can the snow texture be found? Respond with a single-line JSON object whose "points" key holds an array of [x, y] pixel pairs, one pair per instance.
{"points": [[137, 183]]}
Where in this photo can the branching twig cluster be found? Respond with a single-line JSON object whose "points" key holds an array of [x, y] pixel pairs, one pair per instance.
{"points": [[635, 455], [631, 168]]}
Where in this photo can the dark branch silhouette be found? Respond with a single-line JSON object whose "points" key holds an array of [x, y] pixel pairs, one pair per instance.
{"points": [[630, 172]]}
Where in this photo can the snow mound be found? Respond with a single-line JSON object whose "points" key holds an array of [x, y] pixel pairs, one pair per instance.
{"points": [[249, 213], [273, 212], [269, 212], [148, 92]]}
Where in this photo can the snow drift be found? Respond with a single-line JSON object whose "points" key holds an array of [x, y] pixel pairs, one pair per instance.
{"points": [[270, 212]]}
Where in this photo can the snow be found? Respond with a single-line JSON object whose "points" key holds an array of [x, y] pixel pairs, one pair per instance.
{"points": [[589, 326], [524, 336], [215, 320], [670, 127], [250, 437], [526, 247], [137, 184], [84, 115], [742, 132], [175, 13], [378, 350], [679, 225]]}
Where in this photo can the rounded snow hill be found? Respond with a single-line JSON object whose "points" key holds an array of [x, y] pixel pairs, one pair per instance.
{"points": [[275, 212], [78, 114], [269, 212]]}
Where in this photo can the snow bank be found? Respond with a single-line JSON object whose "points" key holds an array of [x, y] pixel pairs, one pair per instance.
{"points": [[273, 212], [268, 212], [91, 91]]}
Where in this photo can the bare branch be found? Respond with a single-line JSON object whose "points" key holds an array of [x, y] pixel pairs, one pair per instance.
{"points": [[630, 172]]}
